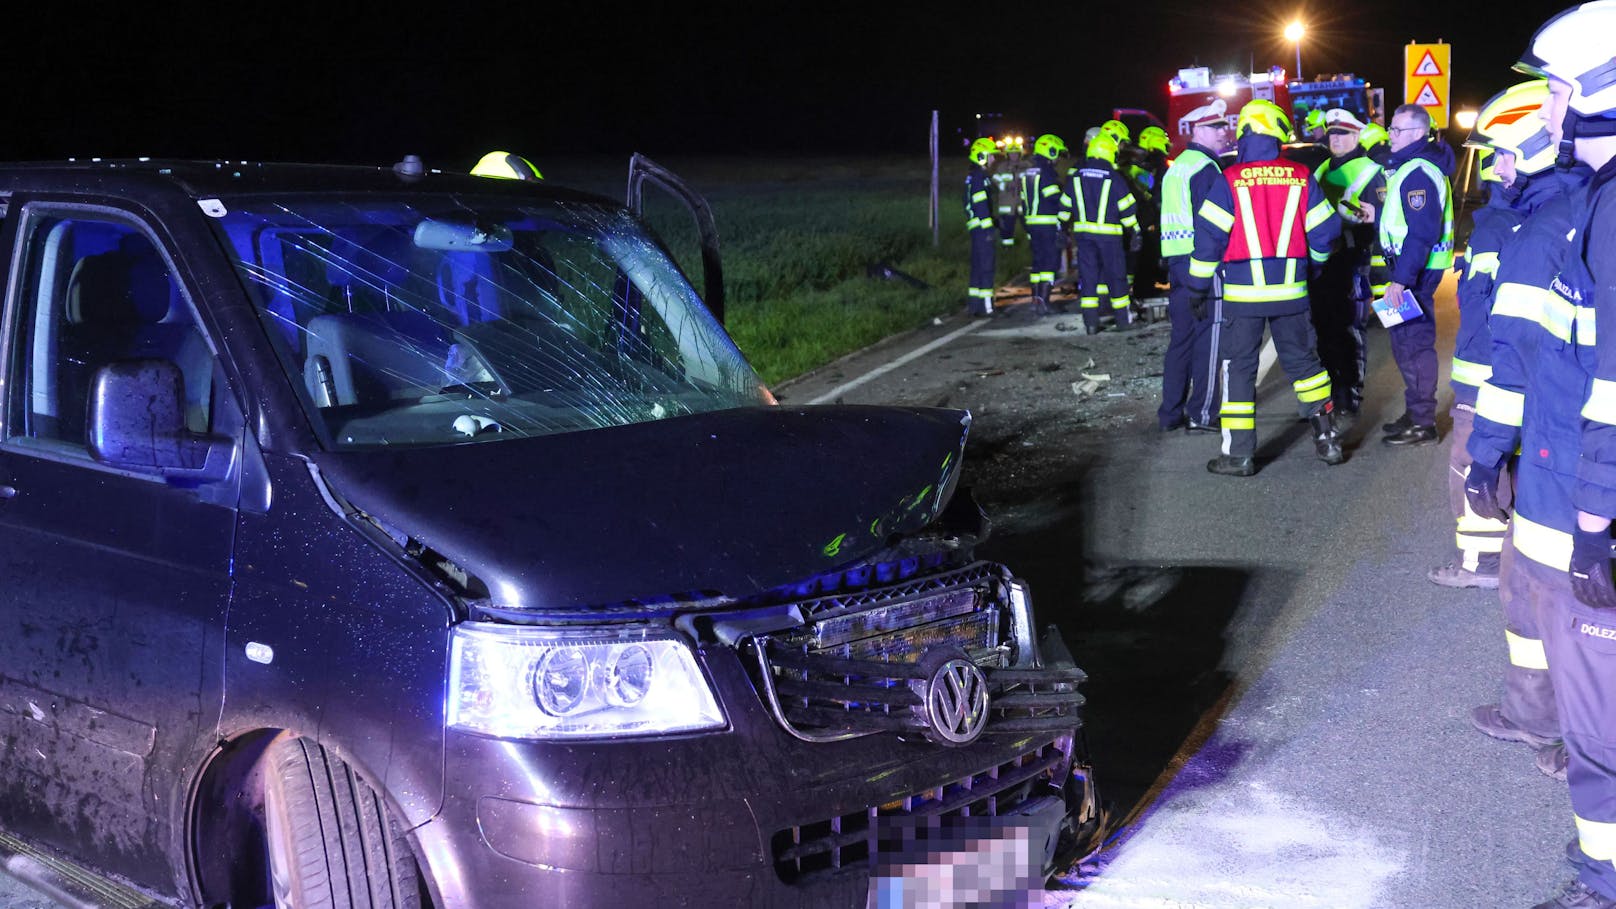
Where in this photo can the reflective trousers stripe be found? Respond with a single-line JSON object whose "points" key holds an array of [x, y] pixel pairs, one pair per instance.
{"points": [[1246, 293], [985, 293], [1526, 653], [1597, 838], [1313, 388], [1041, 277], [1238, 415], [1543, 545], [1473, 543]]}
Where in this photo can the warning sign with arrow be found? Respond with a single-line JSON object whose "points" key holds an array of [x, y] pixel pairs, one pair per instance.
{"points": [[1427, 70]]}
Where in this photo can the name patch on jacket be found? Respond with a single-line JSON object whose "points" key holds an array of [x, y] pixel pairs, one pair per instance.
{"points": [[1565, 290], [1270, 176], [1416, 199], [1595, 630]]}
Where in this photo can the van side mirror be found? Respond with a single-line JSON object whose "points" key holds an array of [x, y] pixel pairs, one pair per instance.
{"points": [[137, 422]]}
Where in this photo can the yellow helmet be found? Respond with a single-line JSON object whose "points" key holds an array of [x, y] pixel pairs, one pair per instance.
{"points": [[1103, 147], [1153, 138], [506, 166], [1372, 135], [1049, 146], [981, 149], [1509, 123], [1315, 119], [1486, 169], [1264, 118], [1117, 129]]}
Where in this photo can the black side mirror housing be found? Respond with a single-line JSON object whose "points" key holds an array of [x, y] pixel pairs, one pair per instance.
{"points": [[137, 422]]}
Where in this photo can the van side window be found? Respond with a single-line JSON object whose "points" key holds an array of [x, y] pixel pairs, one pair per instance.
{"points": [[94, 290]]}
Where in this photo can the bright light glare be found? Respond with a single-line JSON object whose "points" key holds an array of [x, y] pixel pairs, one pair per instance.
{"points": [[1294, 31], [1226, 89], [1465, 119]]}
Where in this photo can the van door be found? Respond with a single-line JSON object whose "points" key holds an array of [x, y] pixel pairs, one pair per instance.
{"points": [[642, 171], [116, 579]]}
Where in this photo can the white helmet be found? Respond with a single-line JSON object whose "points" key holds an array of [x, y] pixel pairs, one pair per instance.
{"points": [[1575, 48]]}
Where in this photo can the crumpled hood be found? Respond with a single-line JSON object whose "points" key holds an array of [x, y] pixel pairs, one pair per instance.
{"points": [[728, 503]]}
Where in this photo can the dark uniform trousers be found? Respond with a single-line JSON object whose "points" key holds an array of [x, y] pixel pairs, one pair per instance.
{"points": [[1339, 315], [1414, 349], [1046, 250], [1190, 365], [1530, 591], [1102, 276], [1580, 642], [1239, 346], [983, 256]]}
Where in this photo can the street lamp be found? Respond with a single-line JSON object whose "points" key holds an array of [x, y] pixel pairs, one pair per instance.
{"points": [[1293, 33], [1465, 119]]}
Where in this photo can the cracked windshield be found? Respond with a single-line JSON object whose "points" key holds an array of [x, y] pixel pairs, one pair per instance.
{"points": [[477, 320]]}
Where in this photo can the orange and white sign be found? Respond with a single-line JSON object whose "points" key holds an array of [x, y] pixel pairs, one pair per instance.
{"points": [[1427, 71]]}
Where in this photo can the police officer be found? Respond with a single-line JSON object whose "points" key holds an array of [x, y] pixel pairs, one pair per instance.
{"points": [[1529, 400], [1103, 211], [1416, 234], [1515, 149], [1340, 294], [1264, 222], [979, 221], [1574, 51], [506, 166], [1189, 367], [1048, 208], [1006, 174]]}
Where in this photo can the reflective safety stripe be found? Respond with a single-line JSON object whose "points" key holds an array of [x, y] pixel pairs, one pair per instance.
{"points": [[1526, 653], [1472, 543], [1107, 230], [1237, 415], [1177, 215], [1248, 220], [1319, 257], [979, 196], [1520, 301], [1585, 326], [1294, 197], [1543, 545], [1232, 423], [1245, 293], [985, 293], [1468, 373], [1597, 838], [1201, 269], [1601, 404], [1313, 388], [1319, 214], [1220, 219], [1483, 264], [1238, 407], [1042, 219], [1500, 405], [1121, 302], [1088, 303], [1393, 228], [1041, 277], [1050, 190]]}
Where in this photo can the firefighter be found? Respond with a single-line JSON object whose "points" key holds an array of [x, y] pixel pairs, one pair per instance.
{"points": [[1573, 51], [1006, 173], [506, 166], [1376, 144], [1313, 126], [1264, 222], [1117, 130], [1103, 214], [1416, 235], [1340, 294], [1516, 150], [1145, 171], [979, 221], [1189, 367], [1048, 209]]}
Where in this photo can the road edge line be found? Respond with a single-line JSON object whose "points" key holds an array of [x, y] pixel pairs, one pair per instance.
{"points": [[882, 370]]}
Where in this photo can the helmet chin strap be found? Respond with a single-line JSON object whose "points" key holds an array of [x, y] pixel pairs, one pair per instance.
{"points": [[1575, 127]]}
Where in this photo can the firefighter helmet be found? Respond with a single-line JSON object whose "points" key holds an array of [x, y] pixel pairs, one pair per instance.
{"points": [[1104, 147], [981, 150], [1153, 138], [506, 166], [1508, 122], [1117, 129], [1574, 47], [1486, 165], [1013, 144], [1264, 118], [1372, 135], [1314, 120], [1049, 146]]}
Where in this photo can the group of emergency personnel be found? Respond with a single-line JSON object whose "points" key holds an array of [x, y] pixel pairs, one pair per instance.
{"points": [[1102, 207]]}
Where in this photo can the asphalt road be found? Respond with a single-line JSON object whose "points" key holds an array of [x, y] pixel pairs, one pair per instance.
{"points": [[1278, 698]]}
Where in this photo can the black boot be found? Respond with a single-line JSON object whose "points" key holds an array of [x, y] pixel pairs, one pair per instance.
{"points": [[1231, 466], [1325, 441]]}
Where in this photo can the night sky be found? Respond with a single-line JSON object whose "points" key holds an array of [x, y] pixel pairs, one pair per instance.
{"points": [[369, 82]]}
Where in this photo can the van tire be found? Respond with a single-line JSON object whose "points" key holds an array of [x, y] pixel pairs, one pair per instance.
{"points": [[331, 842]]}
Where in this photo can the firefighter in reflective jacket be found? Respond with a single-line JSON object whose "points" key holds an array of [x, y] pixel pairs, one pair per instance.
{"points": [[1516, 155], [1103, 211], [1006, 174], [1189, 366], [1047, 208], [1263, 224], [1340, 294], [979, 221]]}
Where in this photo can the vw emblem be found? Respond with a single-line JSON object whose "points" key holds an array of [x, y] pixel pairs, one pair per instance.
{"points": [[957, 702]]}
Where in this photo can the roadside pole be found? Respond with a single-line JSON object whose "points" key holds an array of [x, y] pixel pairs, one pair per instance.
{"points": [[936, 227]]}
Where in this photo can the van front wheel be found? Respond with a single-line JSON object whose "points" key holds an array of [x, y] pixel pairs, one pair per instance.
{"points": [[332, 844]]}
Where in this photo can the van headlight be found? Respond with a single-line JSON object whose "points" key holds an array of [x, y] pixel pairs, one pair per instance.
{"points": [[531, 683]]}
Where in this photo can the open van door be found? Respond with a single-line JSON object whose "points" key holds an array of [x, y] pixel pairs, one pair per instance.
{"points": [[642, 170]]}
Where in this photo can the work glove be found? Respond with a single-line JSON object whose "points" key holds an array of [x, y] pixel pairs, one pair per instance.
{"points": [[1481, 491], [1198, 306], [1590, 568]]}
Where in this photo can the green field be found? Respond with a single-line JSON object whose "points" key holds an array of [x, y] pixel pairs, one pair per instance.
{"points": [[798, 237]]}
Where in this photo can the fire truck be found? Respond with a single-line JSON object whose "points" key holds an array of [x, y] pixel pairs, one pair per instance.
{"points": [[1197, 86]]}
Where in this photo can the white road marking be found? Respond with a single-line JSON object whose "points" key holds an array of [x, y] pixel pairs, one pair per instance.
{"points": [[879, 371]]}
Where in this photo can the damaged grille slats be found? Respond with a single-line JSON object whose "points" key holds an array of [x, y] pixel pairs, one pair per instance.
{"points": [[891, 697]]}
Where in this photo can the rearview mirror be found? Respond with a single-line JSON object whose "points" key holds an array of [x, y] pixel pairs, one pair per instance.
{"points": [[450, 236], [137, 422]]}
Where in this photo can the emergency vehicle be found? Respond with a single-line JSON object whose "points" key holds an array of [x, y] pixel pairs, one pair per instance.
{"points": [[1198, 86], [1343, 90]]}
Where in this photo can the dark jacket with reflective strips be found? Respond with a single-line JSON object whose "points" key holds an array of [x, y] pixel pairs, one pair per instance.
{"points": [[1596, 472], [1267, 221], [978, 205], [1044, 200], [1425, 205], [1102, 203], [1542, 355]]}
